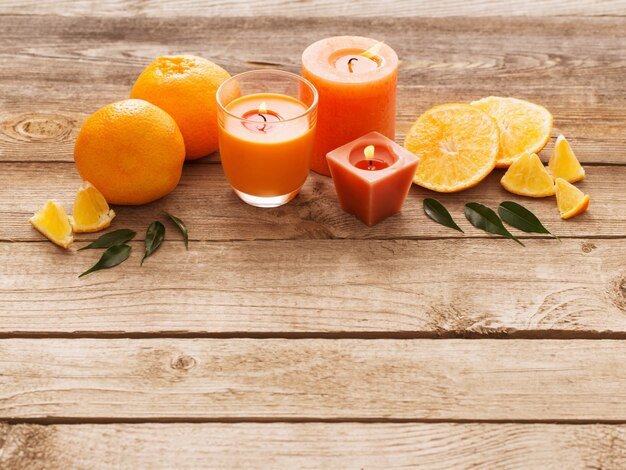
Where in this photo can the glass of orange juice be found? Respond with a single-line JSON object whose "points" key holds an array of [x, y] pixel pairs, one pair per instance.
{"points": [[266, 130]]}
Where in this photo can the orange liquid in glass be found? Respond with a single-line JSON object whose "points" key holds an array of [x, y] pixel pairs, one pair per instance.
{"points": [[266, 157]]}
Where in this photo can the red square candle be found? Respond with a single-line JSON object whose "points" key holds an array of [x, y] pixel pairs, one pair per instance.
{"points": [[372, 176]]}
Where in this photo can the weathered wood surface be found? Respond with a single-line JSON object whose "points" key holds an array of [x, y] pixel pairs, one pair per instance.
{"points": [[436, 287], [309, 379], [213, 212], [301, 280], [330, 8], [313, 445], [73, 66]]}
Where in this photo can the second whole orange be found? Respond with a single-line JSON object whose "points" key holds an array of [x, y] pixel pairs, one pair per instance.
{"points": [[131, 151], [185, 87]]}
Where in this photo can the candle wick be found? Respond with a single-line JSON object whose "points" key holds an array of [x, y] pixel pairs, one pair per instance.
{"points": [[350, 63], [262, 128]]}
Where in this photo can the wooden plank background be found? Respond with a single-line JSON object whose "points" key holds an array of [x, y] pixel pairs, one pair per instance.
{"points": [[322, 8], [297, 337], [313, 445], [314, 379]]}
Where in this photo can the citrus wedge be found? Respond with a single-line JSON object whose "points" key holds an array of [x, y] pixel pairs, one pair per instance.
{"points": [[524, 127], [563, 163], [91, 211], [570, 200], [52, 221], [457, 144], [528, 177]]}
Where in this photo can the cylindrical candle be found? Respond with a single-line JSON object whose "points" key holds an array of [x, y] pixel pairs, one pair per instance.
{"points": [[266, 139], [356, 81]]}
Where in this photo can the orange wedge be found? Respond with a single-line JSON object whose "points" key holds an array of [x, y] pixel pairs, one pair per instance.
{"points": [[528, 177], [570, 200], [563, 163], [524, 127], [52, 221], [91, 211], [457, 144]]}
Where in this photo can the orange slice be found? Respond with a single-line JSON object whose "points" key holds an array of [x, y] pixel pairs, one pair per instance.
{"points": [[570, 200], [51, 220], [457, 144], [91, 211], [563, 163], [528, 177], [524, 127]]}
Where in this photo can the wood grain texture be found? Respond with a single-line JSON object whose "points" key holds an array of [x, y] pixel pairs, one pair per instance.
{"points": [[322, 8], [457, 287], [213, 212], [278, 379], [313, 445], [73, 66]]}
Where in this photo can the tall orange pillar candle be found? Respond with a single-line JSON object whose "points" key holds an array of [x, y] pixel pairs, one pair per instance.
{"points": [[356, 80]]}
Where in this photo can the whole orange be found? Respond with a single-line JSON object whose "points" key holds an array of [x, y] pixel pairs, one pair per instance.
{"points": [[132, 151], [185, 87]]}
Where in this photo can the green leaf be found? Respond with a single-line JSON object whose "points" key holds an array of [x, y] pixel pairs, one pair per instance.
{"points": [[113, 256], [521, 218], [154, 237], [116, 237], [181, 226], [480, 216], [437, 212]]}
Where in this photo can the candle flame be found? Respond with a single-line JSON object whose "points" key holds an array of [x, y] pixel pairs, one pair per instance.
{"points": [[369, 152], [263, 108], [372, 51]]}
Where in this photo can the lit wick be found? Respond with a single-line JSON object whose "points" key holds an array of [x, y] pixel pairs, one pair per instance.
{"points": [[369, 156], [262, 112], [371, 54]]}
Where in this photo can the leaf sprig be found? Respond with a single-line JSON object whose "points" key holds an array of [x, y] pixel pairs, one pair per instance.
{"points": [[484, 218], [437, 212], [154, 237], [113, 256], [117, 249], [521, 218]]}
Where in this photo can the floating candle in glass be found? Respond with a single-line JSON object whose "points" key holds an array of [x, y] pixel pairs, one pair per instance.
{"points": [[356, 80], [266, 128], [372, 176]]}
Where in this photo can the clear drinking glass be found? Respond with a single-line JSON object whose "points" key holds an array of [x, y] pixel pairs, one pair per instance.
{"points": [[266, 130]]}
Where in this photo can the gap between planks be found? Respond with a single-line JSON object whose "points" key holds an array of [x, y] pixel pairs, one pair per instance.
{"points": [[563, 335], [77, 421]]}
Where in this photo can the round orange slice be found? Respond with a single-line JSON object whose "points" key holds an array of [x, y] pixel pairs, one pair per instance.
{"points": [[457, 145], [525, 127]]}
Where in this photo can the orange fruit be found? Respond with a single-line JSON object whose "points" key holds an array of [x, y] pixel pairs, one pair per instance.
{"points": [[563, 163], [52, 221], [457, 145], [570, 200], [132, 151], [528, 177], [525, 127], [91, 211], [185, 87]]}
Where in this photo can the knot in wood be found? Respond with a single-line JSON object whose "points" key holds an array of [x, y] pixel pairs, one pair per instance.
{"points": [[183, 362], [587, 247], [39, 128]]}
